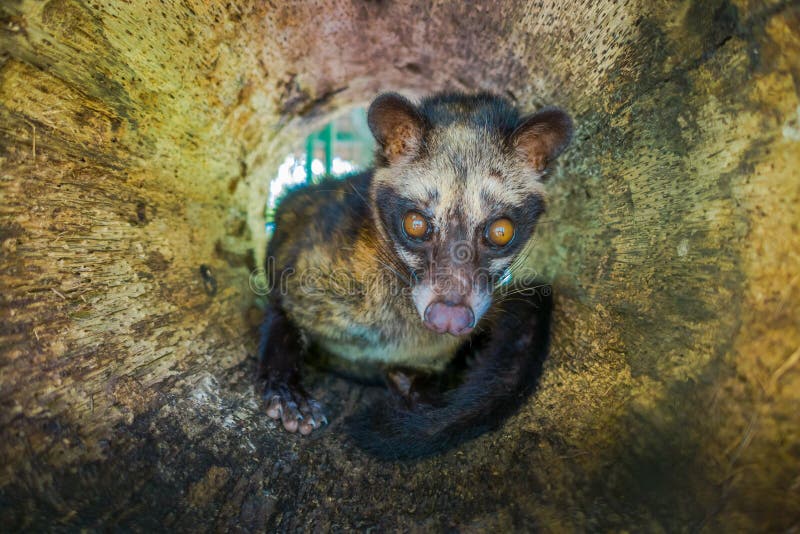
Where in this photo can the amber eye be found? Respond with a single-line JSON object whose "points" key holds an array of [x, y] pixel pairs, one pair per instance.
{"points": [[500, 232], [415, 225]]}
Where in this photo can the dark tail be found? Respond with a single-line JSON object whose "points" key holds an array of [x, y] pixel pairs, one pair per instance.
{"points": [[505, 372]]}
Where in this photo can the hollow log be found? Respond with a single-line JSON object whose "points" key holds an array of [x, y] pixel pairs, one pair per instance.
{"points": [[137, 141]]}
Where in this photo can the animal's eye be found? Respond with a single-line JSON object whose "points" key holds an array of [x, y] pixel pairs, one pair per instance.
{"points": [[415, 225], [500, 232]]}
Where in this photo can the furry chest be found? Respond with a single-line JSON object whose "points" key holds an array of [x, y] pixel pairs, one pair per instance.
{"points": [[385, 339], [424, 353]]}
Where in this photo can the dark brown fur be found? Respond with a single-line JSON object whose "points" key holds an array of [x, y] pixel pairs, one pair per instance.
{"points": [[347, 280]]}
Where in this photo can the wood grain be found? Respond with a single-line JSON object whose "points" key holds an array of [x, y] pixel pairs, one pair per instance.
{"points": [[136, 145]]}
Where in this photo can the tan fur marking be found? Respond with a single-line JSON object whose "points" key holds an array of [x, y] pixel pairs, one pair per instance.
{"points": [[402, 142]]}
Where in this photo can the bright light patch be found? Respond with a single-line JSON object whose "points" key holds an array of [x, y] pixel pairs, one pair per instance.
{"points": [[291, 172], [340, 166]]}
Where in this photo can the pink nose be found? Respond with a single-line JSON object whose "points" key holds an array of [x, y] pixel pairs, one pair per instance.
{"points": [[442, 318]]}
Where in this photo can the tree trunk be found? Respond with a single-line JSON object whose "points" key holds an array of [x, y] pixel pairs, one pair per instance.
{"points": [[137, 140]]}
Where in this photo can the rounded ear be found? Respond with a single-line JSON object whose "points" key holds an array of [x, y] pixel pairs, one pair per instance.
{"points": [[397, 126], [541, 137]]}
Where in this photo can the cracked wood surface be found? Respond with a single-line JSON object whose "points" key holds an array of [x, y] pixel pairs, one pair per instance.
{"points": [[136, 145]]}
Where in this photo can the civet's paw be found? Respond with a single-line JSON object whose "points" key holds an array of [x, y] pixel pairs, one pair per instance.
{"points": [[294, 408]]}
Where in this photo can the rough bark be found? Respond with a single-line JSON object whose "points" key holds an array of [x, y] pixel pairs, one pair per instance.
{"points": [[136, 143]]}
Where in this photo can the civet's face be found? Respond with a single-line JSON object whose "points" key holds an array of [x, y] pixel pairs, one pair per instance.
{"points": [[458, 198]]}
